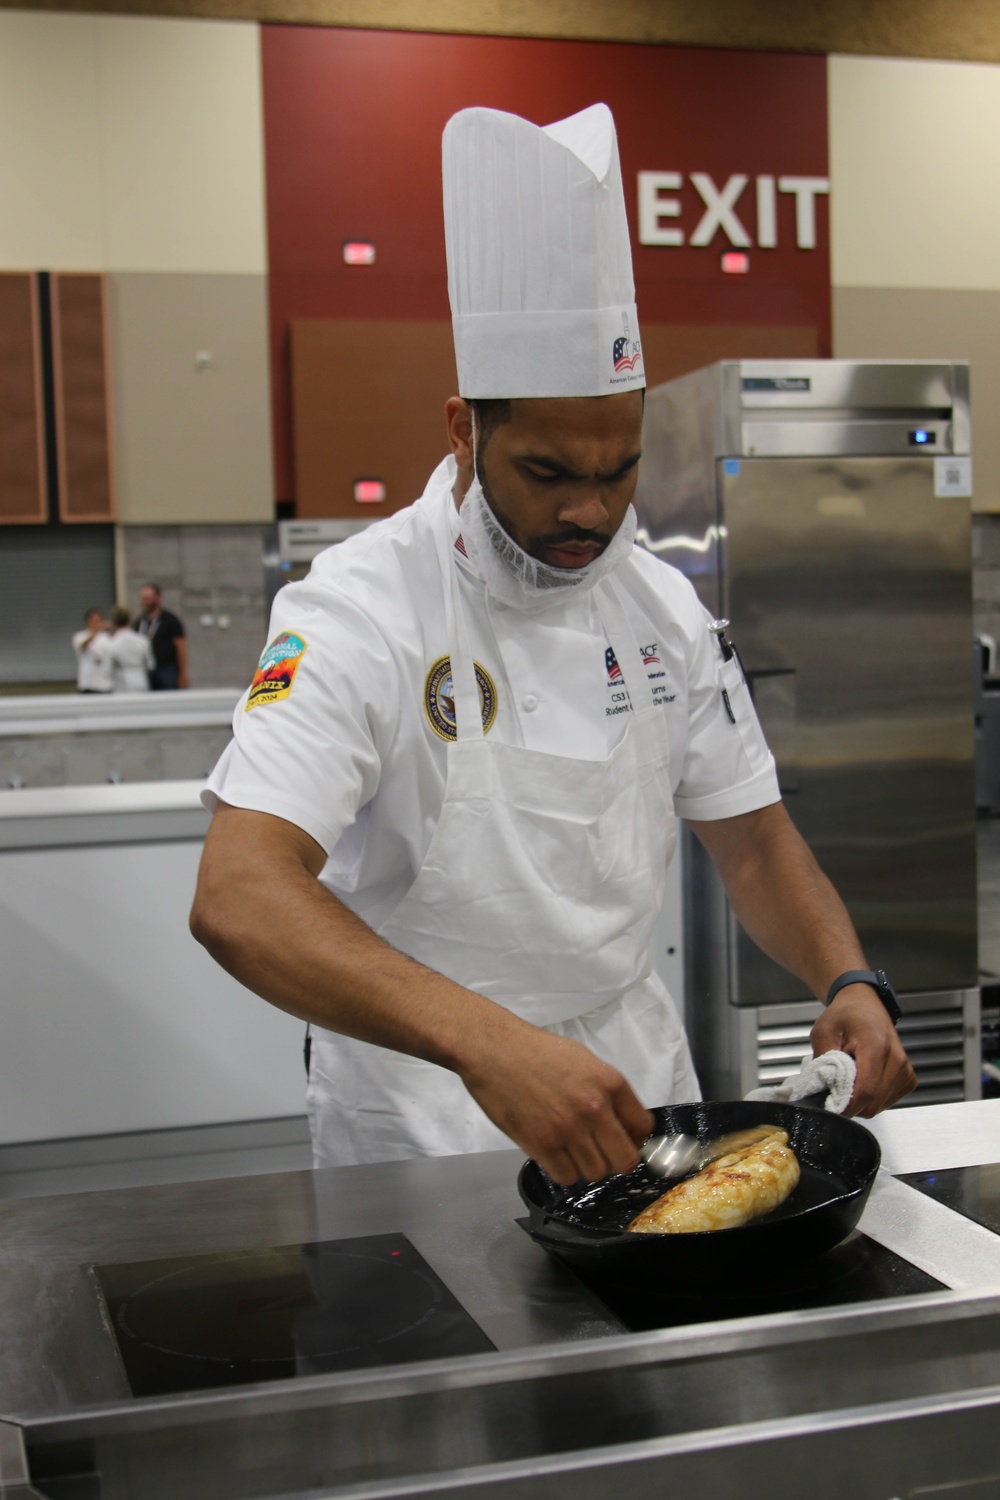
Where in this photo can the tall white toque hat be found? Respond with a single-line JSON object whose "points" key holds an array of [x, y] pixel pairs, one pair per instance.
{"points": [[539, 262]]}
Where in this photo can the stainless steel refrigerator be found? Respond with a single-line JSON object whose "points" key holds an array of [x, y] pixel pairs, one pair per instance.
{"points": [[822, 506]]}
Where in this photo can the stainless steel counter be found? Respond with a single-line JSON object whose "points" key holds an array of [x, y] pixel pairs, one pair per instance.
{"points": [[570, 1404], [457, 1211]]}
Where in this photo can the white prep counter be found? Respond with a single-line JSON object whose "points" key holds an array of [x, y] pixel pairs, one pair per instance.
{"points": [[112, 1018], [90, 739]]}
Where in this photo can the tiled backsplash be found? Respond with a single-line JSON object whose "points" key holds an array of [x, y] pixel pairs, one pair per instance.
{"points": [[213, 578]]}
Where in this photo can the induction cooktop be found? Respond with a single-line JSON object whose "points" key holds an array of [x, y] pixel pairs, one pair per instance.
{"points": [[973, 1192], [216, 1320], [857, 1270]]}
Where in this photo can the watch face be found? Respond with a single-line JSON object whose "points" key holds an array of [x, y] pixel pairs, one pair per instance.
{"points": [[887, 995]]}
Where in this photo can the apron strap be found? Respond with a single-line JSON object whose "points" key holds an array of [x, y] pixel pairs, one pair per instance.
{"points": [[624, 644], [468, 712]]}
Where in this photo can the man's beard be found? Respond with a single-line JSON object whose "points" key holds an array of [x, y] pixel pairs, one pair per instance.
{"points": [[520, 580], [540, 544]]}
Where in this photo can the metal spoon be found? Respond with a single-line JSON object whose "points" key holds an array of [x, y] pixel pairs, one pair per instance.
{"points": [[673, 1155], [677, 1155]]}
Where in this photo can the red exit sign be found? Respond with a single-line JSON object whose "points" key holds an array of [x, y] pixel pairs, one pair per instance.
{"points": [[720, 209]]}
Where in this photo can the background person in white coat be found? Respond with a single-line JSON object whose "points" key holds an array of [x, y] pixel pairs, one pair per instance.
{"points": [[93, 662], [442, 829], [131, 654]]}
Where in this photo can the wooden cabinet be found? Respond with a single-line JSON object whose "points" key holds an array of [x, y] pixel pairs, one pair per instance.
{"points": [[23, 492], [54, 404], [81, 397]]}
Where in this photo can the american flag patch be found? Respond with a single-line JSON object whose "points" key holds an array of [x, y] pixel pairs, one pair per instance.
{"points": [[611, 662], [620, 356], [460, 546]]}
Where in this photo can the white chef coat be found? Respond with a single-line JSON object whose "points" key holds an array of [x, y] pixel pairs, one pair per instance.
{"points": [[131, 660], [93, 662], [350, 754]]}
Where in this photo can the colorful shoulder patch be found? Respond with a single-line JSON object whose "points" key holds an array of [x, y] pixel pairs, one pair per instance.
{"points": [[439, 698], [276, 673]]}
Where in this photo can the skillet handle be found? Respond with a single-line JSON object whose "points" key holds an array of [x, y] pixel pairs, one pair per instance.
{"points": [[814, 1101]]}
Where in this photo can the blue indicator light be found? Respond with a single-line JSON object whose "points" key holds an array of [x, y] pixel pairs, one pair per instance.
{"points": [[920, 436]]}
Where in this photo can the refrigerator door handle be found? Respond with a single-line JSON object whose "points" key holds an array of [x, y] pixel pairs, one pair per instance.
{"points": [[773, 691]]}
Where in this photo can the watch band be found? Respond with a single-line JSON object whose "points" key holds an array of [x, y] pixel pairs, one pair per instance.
{"points": [[879, 982]]}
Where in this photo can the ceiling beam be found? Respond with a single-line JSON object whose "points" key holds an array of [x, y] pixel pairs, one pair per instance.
{"points": [[949, 29]]}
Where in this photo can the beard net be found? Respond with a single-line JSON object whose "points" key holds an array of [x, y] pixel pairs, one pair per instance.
{"points": [[515, 578]]}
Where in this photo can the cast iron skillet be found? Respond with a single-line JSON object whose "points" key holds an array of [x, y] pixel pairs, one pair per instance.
{"points": [[585, 1225]]}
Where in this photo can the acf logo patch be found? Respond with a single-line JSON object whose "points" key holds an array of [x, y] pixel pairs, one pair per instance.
{"points": [[276, 673], [439, 698]]}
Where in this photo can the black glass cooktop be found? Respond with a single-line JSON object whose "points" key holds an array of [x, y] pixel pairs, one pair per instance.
{"points": [[971, 1191], [216, 1320], [858, 1270]]}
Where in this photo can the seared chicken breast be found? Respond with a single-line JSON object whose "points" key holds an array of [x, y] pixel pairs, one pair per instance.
{"points": [[742, 1185], [736, 1140]]}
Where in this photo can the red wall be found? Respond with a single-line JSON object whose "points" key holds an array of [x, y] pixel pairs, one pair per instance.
{"points": [[353, 123]]}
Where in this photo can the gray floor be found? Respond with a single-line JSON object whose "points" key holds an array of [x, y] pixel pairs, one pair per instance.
{"points": [[248, 1147]]}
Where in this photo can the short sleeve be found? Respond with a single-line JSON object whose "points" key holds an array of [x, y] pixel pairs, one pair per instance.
{"points": [[312, 753], [727, 767]]}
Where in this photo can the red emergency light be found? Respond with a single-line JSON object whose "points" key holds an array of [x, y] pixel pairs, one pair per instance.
{"points": [[735, 262], [369, 491], [359, 253]]}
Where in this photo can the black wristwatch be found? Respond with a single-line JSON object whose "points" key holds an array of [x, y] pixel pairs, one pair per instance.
{"points": [[879, 981]]}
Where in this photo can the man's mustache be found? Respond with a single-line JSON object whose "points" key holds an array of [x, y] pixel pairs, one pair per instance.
{"points": [[571, 534]]}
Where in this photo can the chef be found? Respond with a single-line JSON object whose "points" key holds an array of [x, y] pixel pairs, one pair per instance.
{"points": [[442, 828]]}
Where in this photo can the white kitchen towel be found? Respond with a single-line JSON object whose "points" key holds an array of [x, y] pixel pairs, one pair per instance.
{"points": [[834, 1071]]}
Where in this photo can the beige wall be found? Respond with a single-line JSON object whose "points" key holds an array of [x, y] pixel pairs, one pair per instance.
{"points": [[888, 323], [915, 226], [130, 144], [192, 436], [135, 146], [914, 168], [50, 171]]}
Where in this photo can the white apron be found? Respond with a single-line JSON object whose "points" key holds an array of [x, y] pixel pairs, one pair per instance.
{"points": [[539, 890]]}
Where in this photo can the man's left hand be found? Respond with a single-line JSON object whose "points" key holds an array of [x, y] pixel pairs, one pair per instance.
{"points": [[858, 1023]]}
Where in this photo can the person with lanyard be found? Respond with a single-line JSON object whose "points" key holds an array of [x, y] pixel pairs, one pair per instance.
{"points": [[442, 828], [165, 633]]}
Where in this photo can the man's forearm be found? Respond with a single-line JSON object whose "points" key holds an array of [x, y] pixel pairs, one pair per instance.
{"points": [[782, 898], [790, 909], [281, 933], [263, 914]]}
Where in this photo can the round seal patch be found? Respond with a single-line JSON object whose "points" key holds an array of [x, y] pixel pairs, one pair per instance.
{"points": [[439, 698]]}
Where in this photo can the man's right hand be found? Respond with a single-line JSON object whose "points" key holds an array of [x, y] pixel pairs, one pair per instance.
{"points": [[574, 1114]]}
